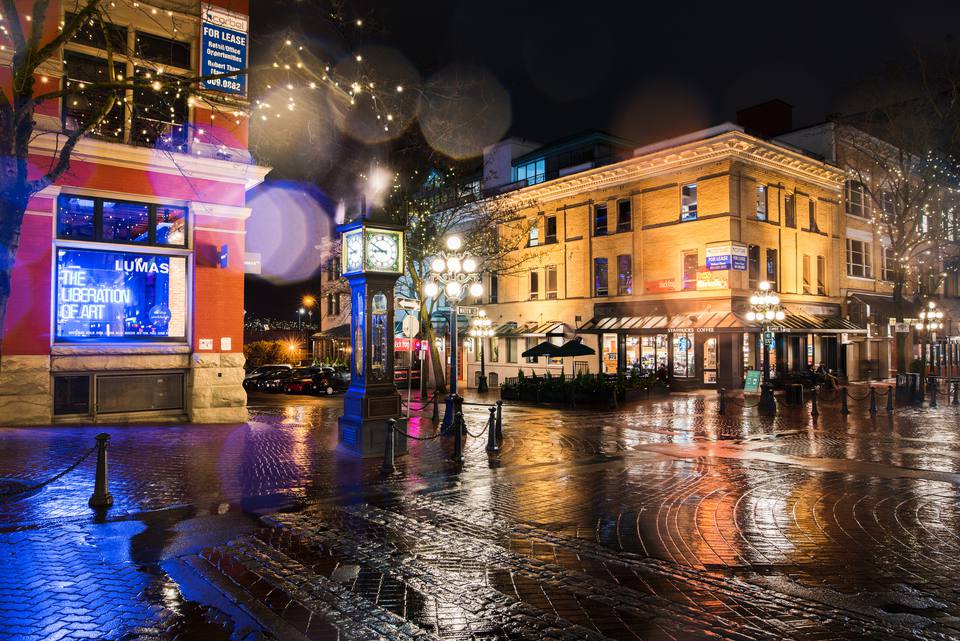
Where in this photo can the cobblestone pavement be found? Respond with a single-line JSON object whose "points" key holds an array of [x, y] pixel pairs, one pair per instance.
{"points": [[660, 520]]}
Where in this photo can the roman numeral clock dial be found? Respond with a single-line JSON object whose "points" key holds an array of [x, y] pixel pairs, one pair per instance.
{"points": [[383, 251]]}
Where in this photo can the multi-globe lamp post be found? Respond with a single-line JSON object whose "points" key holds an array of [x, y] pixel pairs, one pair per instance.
{"points": [[481, 329], [931, 319], [764, 309], [453, 274]]}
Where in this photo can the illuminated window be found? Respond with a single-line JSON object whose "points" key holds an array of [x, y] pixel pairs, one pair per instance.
{"points": [[761, 202], [532, 172], [117, 221], [624, 275], [125, 222], [753, 266], [772, 265], [534, 234], [859, 261], [600, 277], [688, 202], [856, 199], [888, 264], [75, 220], [551, 273], [689, 266]]}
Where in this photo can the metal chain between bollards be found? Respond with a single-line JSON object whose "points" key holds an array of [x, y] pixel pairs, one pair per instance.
{"points": [[34, 488], [416, 438]]}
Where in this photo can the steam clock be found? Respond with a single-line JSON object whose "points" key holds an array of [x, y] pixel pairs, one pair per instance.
{"points": [[372, 261]]}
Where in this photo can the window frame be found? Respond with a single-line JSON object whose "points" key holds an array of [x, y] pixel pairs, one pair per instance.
{"points": [[689, 211], [599, 292], [98, 222], [790, 210], [550, 294], [851, 187], [806, 276], [866, 267], [764, 214], [548, 238], [533, 282], [753, 281], [812, 215], [596, 218], [683, 269], [622, 226], [821, 274], [886, 264], [772, 268], [625, 279]]}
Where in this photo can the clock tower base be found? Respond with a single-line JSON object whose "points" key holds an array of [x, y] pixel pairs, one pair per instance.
{"points": [[363, 431]]}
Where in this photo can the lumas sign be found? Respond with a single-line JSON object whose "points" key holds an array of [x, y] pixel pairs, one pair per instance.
{"points": [[118, 296], [223, 49]]}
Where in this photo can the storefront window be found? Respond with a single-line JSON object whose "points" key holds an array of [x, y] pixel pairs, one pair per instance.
{"points": [[683, 363], [555, 340], [126, 222], [710, 361], [114, 221], [76, 218], [120, 296], [653, 353], [609, 354], [632, 344]]}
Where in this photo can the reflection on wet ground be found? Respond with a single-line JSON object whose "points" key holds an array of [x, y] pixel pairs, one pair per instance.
{"points": [[661, 519]]}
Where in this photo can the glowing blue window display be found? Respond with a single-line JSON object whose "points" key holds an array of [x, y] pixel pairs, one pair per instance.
{"points": [[105, 296]]}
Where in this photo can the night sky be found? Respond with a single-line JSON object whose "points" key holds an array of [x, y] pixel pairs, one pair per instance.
{"points": [[640, 70]]}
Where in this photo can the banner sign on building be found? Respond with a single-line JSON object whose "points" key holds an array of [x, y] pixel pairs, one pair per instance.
{"points": [[726, 256], [120, 296], [223, 49], [660, 285], [711, 280]]}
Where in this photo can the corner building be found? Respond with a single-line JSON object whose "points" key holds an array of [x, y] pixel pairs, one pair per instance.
{"points": [[127, 294], [652, 260]]}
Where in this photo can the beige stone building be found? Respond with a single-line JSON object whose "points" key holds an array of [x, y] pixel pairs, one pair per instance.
{"points": [[652, 258]]}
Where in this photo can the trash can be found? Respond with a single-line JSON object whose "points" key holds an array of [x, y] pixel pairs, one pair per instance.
{"points": [[794, 394]]}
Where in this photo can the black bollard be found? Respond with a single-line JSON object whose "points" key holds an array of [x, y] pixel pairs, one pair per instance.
{"points": [[458, 426], [873, 400], [890, 394], [956, 393], [814, 410], [499, 423], [492, 431], [436, 409], [101, 486], [844, 409], [933, 392], [388, 467], [723, 401]]}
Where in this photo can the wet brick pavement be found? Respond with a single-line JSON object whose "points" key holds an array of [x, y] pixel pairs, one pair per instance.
{"points": [[660, 520]]}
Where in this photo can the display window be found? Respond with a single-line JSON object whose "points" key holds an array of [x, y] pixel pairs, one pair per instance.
{"points": [[710, 361], [684, 365], [113, 296], [608, 344], [653, 352]]}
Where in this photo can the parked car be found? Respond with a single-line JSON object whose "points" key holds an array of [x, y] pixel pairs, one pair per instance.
{"points": [[331, 381], [255, 376], [301, 380], [274, 381]]}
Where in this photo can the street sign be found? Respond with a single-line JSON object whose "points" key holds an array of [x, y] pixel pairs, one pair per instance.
{"points": [[768, 336], [465, 310], [408, 303], [411, 326], [902, 328], [752, 381]]}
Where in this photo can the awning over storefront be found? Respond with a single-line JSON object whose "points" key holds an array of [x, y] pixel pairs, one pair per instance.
{"points": [[340, 331], [716, 322], [532, 330]]}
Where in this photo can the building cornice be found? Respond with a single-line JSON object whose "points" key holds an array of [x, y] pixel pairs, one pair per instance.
{"points": [[734, 145], [153, 160]]}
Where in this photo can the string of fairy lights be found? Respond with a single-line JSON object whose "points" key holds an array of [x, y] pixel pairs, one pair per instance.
{"points": [[161, 91]]}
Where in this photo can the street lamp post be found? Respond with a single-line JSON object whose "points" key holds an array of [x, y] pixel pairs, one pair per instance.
{"points": [[765, 307], [481, 331], [931, 319], [454, 273], [300, 319]]}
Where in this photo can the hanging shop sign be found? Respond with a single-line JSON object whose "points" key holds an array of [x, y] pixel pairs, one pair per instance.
{"points": [[119, 296], [223, 49], [726, 256], [711, 280]]}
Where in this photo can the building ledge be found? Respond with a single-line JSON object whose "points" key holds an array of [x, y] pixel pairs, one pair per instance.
{"points": [[102, 349]]}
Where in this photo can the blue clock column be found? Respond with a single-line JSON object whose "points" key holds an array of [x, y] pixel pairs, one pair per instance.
{"points": [[372, 398]]}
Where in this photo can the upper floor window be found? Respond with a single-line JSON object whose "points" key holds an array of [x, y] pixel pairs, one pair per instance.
{"points": [[534, 285], [790, 211], [600, 277], [856, 199], [761, 202], [599, 220], [812, 215], [551, 274], [689, 265], [92, 34], [493, 291], [80, 71], [753, 266], [116, 221], [807, 280], [859, 260], [159, 113], [888, 264], [533, 172], [821, 276], [163, 50], [624, 275], [534, 234], [773, 264], [551, 229], [688, 202], [333, 304], [624, 215]]}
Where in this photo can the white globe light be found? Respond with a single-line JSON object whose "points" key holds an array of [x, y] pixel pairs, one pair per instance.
{"points": [[774, 299], [453, 289], [481, 313], [764, 285], [438, 265], [453, 264], [754, 300], [780, 314], [430, 290], [919, 326], [751, 316], [454, 243], [476, 290], [769, 314], [469, 265]]}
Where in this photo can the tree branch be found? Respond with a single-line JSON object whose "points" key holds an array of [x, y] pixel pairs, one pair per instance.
{"points": [[69, 30], [13, 19]]}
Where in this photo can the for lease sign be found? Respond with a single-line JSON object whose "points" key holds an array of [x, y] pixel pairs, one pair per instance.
{"points": [[223, 49]]}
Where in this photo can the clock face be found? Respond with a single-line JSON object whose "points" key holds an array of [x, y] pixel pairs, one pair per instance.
{"points": [[383, 251], [353, 252]]}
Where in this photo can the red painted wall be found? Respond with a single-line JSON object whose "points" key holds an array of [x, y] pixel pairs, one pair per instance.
{"points": [[218, 293], [26, 329]]}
